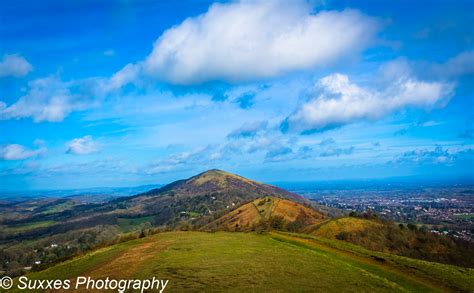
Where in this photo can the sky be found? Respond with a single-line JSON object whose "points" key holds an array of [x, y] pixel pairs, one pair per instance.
{"points": [[124, 93]]}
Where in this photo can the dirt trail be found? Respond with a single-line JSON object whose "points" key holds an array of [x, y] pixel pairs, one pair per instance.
{"points": [[126, 264]]}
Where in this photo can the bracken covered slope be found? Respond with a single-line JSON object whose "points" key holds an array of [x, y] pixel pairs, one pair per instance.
{"points": [[269, 209]]}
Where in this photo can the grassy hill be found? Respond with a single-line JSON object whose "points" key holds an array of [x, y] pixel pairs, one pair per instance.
{"points": [[205, 194], [386, 236], [270, 210], [335, 228], [273, 262], [218, 181]]}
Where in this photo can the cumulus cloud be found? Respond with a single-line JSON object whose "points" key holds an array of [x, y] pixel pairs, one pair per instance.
{"points": [[82, 146], [248, 129], [255, 39], [18, 152], [14, 65], [47, 99], [337, 101]]}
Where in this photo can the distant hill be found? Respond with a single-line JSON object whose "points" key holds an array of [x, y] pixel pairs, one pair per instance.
{"points": [[211, 193], [207, 193], [218, 181], [279, 212]]}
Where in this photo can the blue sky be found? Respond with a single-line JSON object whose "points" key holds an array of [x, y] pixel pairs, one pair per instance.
{"points": [[120, 93]]}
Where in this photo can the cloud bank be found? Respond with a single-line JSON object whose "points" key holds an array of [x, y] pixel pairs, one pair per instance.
{"points": [[254, 39], [337, 101]]}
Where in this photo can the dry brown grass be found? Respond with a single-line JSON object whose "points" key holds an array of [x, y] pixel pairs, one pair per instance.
{"points": [[332, 228], [244, 217]]}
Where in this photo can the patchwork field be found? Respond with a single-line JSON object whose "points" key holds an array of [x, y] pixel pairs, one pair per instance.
{"points": [[199, 261]]}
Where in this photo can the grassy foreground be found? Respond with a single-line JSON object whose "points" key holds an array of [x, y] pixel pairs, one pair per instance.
{"points": [[274, 262]]}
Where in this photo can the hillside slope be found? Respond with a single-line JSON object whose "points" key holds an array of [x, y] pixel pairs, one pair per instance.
{"points": [[236, 262], [386, 236], [273, 210], [336, 228]]}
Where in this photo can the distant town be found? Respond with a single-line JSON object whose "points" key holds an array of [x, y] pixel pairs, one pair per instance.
{"points": [[442, 210]]}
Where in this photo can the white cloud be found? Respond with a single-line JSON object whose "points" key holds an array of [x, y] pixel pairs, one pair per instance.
{"points": [[14, 65], [82, 146], [459, 65], [255, 39], [48, 99], [128, 74], [337, 101], [18, 152]]}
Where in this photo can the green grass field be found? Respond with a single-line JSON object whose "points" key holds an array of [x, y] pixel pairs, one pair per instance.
{"points": [[130, 224], [58, 208], [274, 262], [27, 227]]}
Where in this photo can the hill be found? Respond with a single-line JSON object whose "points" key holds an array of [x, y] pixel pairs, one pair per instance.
{"points": [[204, 194], [276, 212], [218, 182], [339, 227], [386, 236], [274, 262]]}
